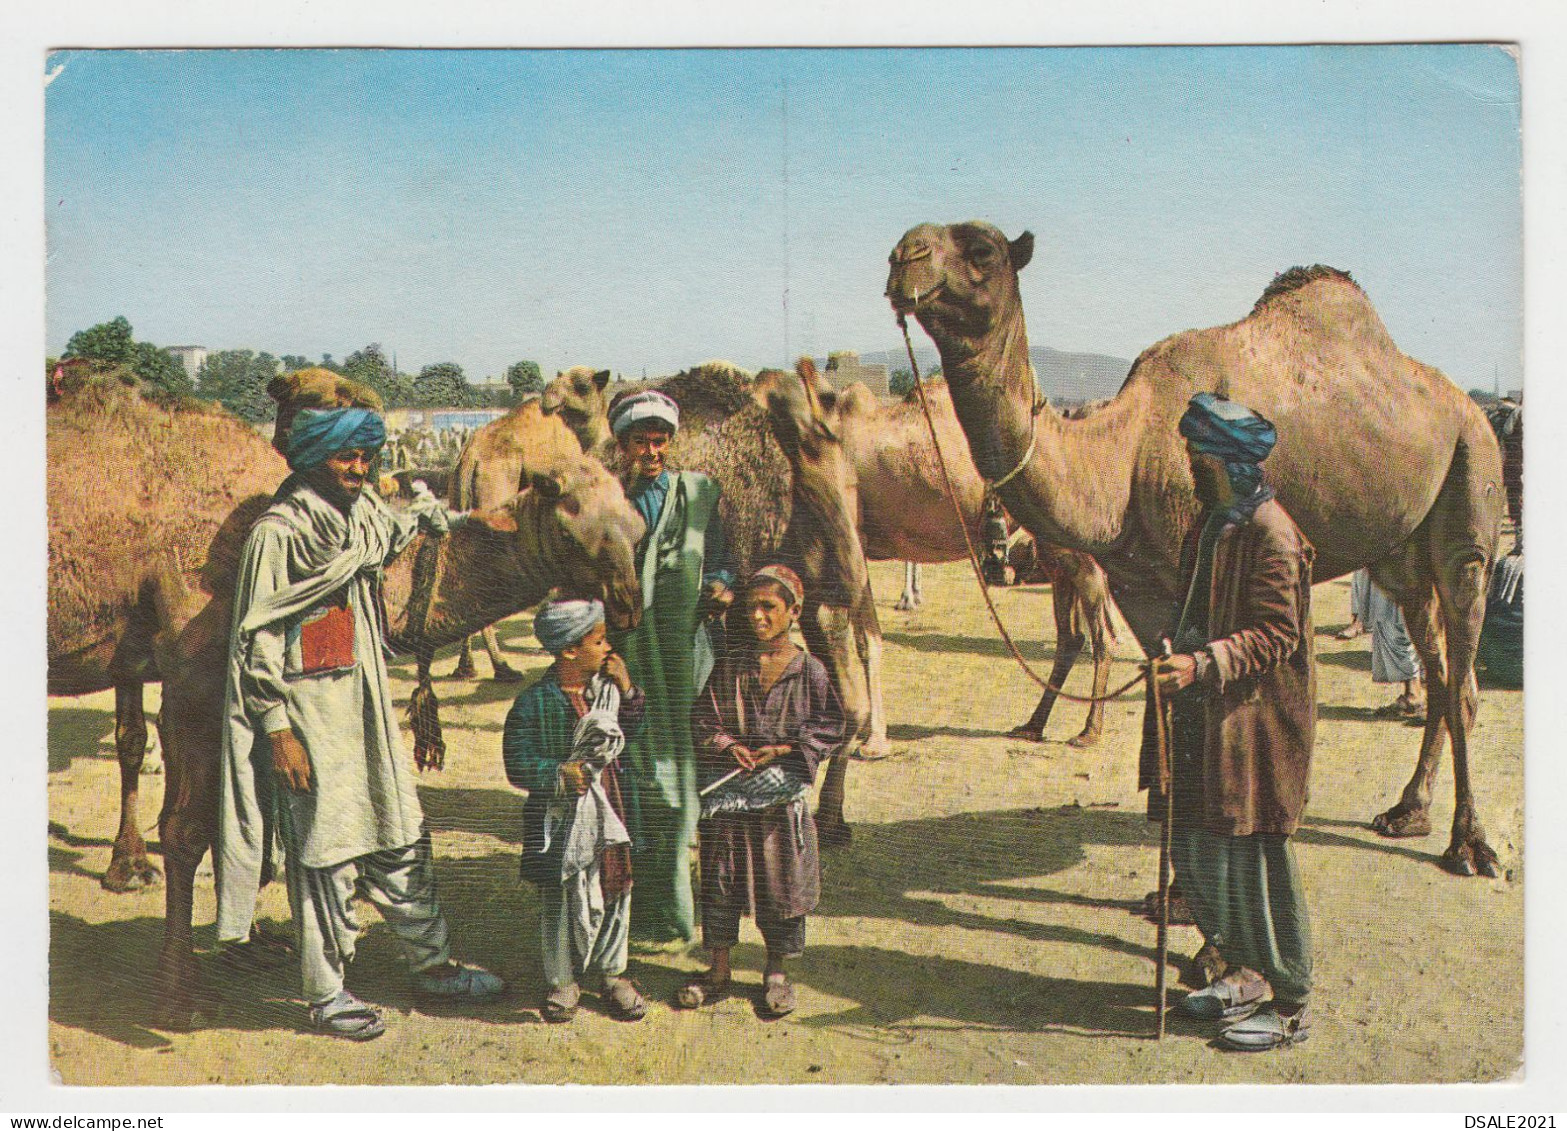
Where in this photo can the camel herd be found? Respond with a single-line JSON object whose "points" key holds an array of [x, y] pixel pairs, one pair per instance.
{"points": [[141, 574]]}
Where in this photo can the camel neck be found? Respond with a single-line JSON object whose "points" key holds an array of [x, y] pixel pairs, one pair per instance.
{"points": [[1076, 487], [479, 578]]}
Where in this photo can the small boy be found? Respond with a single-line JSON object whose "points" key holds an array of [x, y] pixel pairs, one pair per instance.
{"points": [[562, 737], [768, 716]]}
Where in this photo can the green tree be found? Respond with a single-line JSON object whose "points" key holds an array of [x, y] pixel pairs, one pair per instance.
{"points": [[293, 361], [237, 379], [443, 385], [110, 342], [524, 378], [900, 382], [159, 370]]}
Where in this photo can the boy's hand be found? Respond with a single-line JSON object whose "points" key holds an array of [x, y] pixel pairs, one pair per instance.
{"points": [[575, 778], [743, 756], [616, 672], [768, 753], [289, 761]]}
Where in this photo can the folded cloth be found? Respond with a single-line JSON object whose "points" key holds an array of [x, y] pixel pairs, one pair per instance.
{"points": [[588, 822], [773, 784]]}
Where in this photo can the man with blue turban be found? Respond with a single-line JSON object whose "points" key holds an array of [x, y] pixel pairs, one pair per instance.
{"points": [[313, 759], [1242, 685], [686, 573]]}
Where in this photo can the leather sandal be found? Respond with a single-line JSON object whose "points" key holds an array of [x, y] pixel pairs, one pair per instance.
{"points": [[1235, 996], [560, 1005], [346, 1016], [778, 998], [1268, 1029], [623, 1000], [702, 990]]}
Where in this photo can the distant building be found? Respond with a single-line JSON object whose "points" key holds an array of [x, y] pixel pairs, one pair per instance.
{"points": [[844, 369], [190, 357]]}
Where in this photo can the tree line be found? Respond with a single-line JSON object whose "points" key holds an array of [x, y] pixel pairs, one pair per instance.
{"points": [[237, 379]]}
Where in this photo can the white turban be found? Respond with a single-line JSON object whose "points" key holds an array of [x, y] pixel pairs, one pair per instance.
{"points": [[649, 404], [562, 624]]}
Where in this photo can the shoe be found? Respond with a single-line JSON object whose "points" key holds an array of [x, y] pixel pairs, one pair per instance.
{"points": [[702, 990], [560, 1004], [1268, 1029], [346, 1016], [621, 998], [1231, 998], [777, 997], [469, 983]]}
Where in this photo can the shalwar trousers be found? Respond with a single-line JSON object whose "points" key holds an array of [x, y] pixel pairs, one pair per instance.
{"points": [[401, 884], [581, 932]]}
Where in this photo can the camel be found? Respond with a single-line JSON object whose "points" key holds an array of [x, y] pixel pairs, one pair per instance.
{"points": [[904, 513], [776, 505], [1382, 462], [145, 591], [495, 463]]}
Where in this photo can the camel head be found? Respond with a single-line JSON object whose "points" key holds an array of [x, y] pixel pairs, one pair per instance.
{"points": [[574, 526], [578, 396], [959, 280], [803, 412]]}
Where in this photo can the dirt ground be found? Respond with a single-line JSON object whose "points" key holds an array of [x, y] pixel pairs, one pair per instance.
{"points": [[978, 930]]}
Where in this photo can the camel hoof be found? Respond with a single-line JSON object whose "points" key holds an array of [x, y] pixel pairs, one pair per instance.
{"points": [[832, 834], [1470, 858], [128, 875], [1027, 733], [1403, 820], [465, 670], [505, 673], [1084, 740]]}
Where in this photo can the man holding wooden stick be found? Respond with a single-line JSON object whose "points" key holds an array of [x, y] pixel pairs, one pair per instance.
{"points": [[1241, 684]]}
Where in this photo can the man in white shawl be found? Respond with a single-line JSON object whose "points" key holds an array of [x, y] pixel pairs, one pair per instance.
{"points": [[313, 759], [1393, 655]]}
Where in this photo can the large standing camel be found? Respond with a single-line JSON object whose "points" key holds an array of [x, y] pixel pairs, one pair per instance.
{"points": [[1381, 460], [769, 513], [904, 514]]}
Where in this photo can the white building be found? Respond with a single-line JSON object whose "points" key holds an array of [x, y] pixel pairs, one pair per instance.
{"points": [[190, 357]]}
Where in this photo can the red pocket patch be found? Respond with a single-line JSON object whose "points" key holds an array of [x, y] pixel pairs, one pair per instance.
{"points": [[327, 642]]}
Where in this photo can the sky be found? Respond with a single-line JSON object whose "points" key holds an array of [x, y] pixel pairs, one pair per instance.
{"points": [[646, 210]]}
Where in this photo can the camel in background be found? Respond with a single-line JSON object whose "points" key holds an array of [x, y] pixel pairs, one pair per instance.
{"points": [[903, 511], [769, 513], [1381, 461]]}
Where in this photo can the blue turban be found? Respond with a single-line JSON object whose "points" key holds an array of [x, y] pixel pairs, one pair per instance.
{"points": [[561, 624], [649, 404], [318, 432], [1221, 427]]}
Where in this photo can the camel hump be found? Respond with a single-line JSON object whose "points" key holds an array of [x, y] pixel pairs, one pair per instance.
{"points": [[315, 388], [1288, 282]]}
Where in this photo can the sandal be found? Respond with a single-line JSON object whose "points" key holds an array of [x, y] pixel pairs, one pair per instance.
{"points": [[701, 990], [1235, 996], [778, 997], [1269, 1029], [625, 1003], [347, 1016], [1404, 707], [1180, 910], [561, 1004]]}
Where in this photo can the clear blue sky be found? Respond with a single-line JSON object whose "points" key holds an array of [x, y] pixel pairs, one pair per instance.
{"points": [[653, 209]]}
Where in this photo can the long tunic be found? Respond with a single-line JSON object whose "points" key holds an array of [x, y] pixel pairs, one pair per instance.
{"points": [[668, 656], [306, 653], [765, 862], [1393, 655]]}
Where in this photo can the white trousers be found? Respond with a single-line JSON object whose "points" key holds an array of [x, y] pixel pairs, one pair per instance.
{"points": [[581, 932]]}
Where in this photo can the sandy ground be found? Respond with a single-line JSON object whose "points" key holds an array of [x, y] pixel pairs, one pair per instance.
{"points": [[979, 930]]}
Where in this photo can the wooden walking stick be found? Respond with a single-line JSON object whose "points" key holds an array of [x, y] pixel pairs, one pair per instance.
{"points": [[1166, 774]]}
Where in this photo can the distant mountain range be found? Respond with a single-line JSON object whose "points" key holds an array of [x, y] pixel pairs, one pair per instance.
{"points": [[1062, 376]]}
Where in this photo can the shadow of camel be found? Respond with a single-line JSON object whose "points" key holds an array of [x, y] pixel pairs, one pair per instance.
{"points": [[1355, 659], [893, 988], [1311, 832], [1032, 650], [79, 732], [486, 812]]}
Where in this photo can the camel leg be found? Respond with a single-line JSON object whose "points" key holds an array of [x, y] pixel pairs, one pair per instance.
{"points": [[877, 745], [1097, 614], [913, 596], [504, 672], [1069, 645], [827, 633], [465, 668], [1412, 815], [187, 826], [1462, 586], [129, 868]]}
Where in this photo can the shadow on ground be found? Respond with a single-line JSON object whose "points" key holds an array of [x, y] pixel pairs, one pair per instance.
{"points": [[78, 732]]}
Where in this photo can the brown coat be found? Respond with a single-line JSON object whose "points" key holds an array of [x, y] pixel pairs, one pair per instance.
{"points": [[1261, 705]]}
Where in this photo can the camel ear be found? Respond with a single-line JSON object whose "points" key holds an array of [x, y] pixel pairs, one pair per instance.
{"points": [[498, 519], [601, 378], [547, 486], [1022, 250]]}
